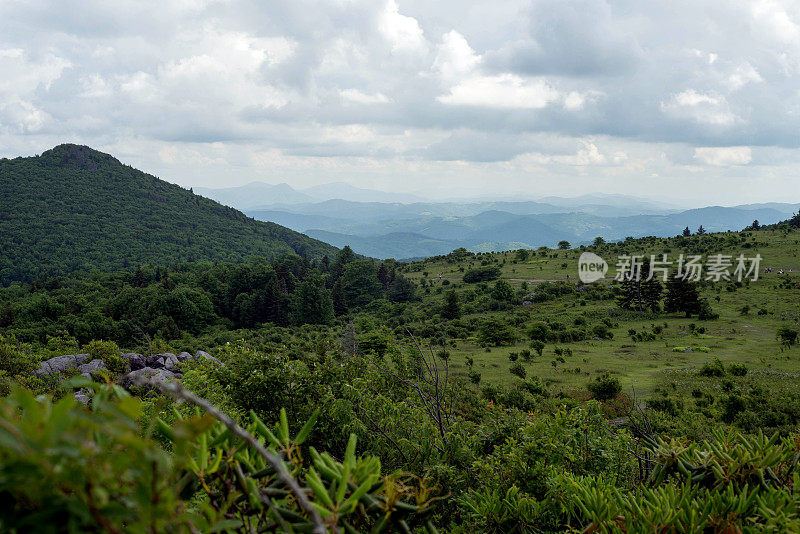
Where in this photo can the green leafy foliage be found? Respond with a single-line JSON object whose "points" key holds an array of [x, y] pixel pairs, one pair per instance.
{"points": [[74, 208]]}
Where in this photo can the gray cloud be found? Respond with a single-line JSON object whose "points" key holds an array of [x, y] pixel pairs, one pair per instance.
{"points": [[408, 89]]}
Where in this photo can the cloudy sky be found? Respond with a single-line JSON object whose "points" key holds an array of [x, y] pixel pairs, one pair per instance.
{"points": [[697, 100]]}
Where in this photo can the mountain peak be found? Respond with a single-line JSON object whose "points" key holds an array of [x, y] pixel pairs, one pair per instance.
{"points": [[79, 157]]}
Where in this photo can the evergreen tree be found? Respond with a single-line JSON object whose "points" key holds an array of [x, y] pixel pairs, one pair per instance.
{"points": [[339, 302], [383, 276], [311, 302], [451, 308], [401, 289], [701, 230], [640, 294], [344, 257], [682, 296], [360, 283], [273, 303], [687, 232]]}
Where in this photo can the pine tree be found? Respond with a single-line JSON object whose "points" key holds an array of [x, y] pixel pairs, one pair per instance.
{"points": [[312, 303], [339, 302], [383, 276], [687, 232], [451, 309], [345, 256], [682, 296], [640, 294], [701, 230]]}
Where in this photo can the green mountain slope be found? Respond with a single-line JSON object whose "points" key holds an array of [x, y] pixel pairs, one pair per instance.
{"points": [[74, 208]]}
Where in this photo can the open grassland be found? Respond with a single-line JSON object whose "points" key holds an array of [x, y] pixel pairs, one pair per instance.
{"points": [[745, 332]]}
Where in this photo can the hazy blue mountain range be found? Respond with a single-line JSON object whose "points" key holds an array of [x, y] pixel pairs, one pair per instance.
{"points": [[384, 225], [393, 230]]}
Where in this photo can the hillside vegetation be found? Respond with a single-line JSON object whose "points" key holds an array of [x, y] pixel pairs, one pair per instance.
{"points": [[467, 392], [73, 208]]}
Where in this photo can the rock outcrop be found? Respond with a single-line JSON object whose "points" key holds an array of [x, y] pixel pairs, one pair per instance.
{"points": [[157, 368], [59, 364]]}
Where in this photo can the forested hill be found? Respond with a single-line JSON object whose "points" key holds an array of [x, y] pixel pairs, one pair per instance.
{"points": [[75, 208]]}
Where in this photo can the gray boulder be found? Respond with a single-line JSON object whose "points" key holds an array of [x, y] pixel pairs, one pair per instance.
{"points": [[171, 362], [59, 364], [142, 376], [156, 361], [137, 361], [203, 355], [184, 356], [88, 369], [82, 396]]}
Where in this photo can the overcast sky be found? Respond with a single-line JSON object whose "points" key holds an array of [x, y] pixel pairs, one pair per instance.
{"points": [[695, 100]]}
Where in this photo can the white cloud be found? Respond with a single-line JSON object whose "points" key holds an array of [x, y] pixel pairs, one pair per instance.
{"points": [[743, 75], [403, 32], [19, 116], [23, 74], [455, 57], [704, 108], [354, 95], [724, 156], [505, 91]]}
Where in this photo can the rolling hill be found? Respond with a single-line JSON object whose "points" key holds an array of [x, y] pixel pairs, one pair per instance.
{"points": [[74, 208]]}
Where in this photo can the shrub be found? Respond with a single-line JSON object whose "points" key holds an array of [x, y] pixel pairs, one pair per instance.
{"points": [[712, 368], [517, 369], [602, 331], [538, 346], [495, 331], [92, 470], [737, 369], [15, 357], [604, 387], [481, 274], [787, 336], [109, 352]]}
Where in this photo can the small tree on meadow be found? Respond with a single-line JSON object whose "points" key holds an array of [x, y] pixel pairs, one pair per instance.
{"points": [[787, 336], [503, 291], [563, 245]]}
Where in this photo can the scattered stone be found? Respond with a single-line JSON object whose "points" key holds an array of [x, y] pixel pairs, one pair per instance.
{"points": [[184, 356], [137, 361], [88, 369], [171, 362], [689, 349], [138, 378], [527, 303], [59, 364]]}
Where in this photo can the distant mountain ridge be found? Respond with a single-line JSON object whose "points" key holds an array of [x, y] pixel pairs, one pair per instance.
{"points": [[373, 229], [75, 208], [260, 195]]}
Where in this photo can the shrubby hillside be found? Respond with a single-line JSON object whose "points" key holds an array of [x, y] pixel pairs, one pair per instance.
{"points": [[467, 392], [73, 208]]}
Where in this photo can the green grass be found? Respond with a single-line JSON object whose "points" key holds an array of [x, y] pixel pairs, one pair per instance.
{"points": [[643, 366]]}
